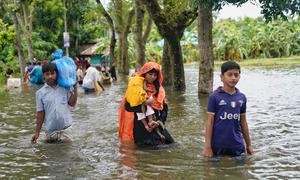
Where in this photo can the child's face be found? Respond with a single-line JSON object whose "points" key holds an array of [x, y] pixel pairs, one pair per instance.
{"points": [[150, 77], [50, 78], [230, 78]]}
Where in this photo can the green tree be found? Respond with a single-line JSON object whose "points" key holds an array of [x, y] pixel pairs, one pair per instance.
{"points": [[271, 9], [171, 19], [113, 32]]}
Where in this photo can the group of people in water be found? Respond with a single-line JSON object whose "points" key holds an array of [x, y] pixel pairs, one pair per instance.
{"points": [[143, 110]]}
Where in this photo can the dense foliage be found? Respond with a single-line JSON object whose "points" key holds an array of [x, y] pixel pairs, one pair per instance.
{"points": [[232, 39], [7, 53]]}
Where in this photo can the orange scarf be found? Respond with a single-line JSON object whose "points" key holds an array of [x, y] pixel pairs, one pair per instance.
{"points": [[126, 119]]}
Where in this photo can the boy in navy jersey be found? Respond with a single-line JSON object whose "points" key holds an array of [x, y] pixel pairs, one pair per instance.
{"points": [[227, 127]]}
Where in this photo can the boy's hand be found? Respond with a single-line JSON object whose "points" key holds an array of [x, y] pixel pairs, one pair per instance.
{"points": [[153, 124], [208, 152], [148, 129], [34, 138], [250, 150]]}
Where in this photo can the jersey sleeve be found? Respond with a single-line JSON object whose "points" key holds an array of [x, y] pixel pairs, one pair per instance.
{"points": [[211, 107], [244, 106]]}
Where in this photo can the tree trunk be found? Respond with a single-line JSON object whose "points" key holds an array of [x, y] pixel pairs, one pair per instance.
{"points": [[112, 47], [124, 56], [172, 32], [140, 47], [147, 30], [166, 64], [113, 34], [77, 36], [118, 7], [125, 62], [18, 44], [28, 31], [178, 68], [206, 65], [120, 55]]}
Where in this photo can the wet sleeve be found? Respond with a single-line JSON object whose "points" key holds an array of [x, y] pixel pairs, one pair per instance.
{"points": [[244, 106], [39, 102], [211, 105]]}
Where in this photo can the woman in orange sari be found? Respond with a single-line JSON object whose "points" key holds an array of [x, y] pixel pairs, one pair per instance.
{"points": [[133, 130]]}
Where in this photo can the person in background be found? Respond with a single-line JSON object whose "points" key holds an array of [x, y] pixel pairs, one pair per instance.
{"points": [[113, 73], [79, 75], [227, 127], [12, 82], [45, 61], [36, 75], [28, 69], [9, 73], [91, 81], [52, 108], [76, 61]]}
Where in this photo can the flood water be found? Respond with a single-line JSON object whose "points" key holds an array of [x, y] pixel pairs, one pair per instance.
{"points": [[273, 114]]}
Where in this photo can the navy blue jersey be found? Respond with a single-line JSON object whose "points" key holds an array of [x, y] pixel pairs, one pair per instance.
{"points": [[227, 109]]}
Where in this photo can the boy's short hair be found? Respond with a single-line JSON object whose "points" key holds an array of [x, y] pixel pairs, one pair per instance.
{"points": [[9, 71], [229, 65], [49, 67]]}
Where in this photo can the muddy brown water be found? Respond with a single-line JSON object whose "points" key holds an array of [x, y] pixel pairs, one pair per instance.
{"points": [[273, 114]]}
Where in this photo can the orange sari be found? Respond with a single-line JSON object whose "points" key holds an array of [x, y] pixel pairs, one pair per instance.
{"points": [[126, 119]]}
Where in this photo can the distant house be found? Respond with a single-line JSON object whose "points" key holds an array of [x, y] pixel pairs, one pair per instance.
{"points": [[99, 53]]}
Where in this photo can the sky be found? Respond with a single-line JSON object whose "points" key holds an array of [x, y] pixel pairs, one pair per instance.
{"points": [[235, 12]]}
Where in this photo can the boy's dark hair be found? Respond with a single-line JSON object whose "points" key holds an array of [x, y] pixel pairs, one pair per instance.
{"points": [[229, 65], [49, 67], [9, 71]]}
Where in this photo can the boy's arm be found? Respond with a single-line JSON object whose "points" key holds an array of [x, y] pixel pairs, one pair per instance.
{"points": [[208, 135], [39, 122], [245, 132], [146, 125], [73, 98]]}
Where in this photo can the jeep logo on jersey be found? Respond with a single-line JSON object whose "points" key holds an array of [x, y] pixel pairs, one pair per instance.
{"points": [[230, 116]]}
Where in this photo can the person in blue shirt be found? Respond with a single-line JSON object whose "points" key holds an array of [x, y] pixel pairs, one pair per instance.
{"points": [[227, 127], [52, 107], [36, 75]]}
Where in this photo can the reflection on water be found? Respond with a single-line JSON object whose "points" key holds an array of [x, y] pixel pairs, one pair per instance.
{"points": [[95, 153]]}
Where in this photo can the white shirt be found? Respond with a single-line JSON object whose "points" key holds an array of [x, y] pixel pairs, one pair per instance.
{"points": [[92, 74], [54, 102]]}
